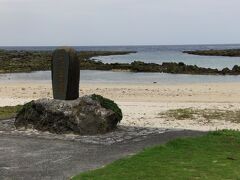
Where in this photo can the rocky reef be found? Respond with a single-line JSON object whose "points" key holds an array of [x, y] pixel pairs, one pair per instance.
{"points": [[181, 68], [28, 61], [87, 115], [24, 61], [212, 52]]}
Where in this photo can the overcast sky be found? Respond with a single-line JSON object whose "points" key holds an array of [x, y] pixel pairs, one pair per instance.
{"points": [[118, 22]]}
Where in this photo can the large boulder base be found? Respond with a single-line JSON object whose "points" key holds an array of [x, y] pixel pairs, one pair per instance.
{"points": [[87, 115]]}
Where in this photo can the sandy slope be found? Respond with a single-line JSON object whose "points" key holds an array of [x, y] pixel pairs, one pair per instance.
{"points": [[142, 103]]}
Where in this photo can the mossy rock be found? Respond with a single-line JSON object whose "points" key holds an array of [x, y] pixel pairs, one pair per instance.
{"points": [[108, 104], [87, 115]]}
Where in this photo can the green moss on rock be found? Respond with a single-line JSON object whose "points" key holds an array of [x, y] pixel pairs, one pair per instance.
{"points": [[108, 104], [25, 107]]}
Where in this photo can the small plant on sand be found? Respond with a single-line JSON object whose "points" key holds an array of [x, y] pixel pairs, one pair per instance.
{"points": [[204, 114], [180, 114]]}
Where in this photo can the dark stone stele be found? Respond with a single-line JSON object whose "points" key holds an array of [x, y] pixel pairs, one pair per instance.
{"points": [[65, 74]]}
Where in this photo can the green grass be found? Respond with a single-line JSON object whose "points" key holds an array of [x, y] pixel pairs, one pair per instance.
{"points": [[9, 112], [213, 156], [203, 114]]}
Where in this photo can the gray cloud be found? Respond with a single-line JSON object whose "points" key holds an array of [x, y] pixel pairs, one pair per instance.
{"points": [[118, 22]]}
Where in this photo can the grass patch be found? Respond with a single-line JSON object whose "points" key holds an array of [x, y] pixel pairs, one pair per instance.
{"points": [[203, 114], [9, 112], [213, 156], [179, 114]]}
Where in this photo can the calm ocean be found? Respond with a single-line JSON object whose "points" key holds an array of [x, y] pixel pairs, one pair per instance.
{"points": [[155, 54]]}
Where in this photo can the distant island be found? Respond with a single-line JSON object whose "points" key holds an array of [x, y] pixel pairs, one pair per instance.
{"points": [[224, 52], [28, 61]]}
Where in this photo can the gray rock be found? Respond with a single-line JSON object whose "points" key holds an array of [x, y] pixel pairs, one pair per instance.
{"points": [[86, 115]]}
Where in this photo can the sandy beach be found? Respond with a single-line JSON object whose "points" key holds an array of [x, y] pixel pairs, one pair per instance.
{"points": [[142, 104]]}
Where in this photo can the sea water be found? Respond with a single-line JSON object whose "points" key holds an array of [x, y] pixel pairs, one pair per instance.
{"points": [[154, 54]]}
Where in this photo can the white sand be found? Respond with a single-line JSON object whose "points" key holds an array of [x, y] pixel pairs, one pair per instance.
{"points": [[142, 103]]}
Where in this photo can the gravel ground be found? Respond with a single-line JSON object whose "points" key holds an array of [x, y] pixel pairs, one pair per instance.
{"points": [[33, 155]]}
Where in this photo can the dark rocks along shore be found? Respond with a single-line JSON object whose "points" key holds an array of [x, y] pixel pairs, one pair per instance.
{"points": [[28, 61]]}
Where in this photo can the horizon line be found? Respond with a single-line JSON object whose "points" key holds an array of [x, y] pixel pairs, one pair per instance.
{"points": [[132, 45]]}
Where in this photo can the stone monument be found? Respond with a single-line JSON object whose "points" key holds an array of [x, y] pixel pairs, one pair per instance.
{"points": [[65, 74], [91, 114]]}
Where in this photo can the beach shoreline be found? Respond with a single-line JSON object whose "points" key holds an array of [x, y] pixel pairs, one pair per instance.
{"points": [[142, 103], [138, 92]]}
